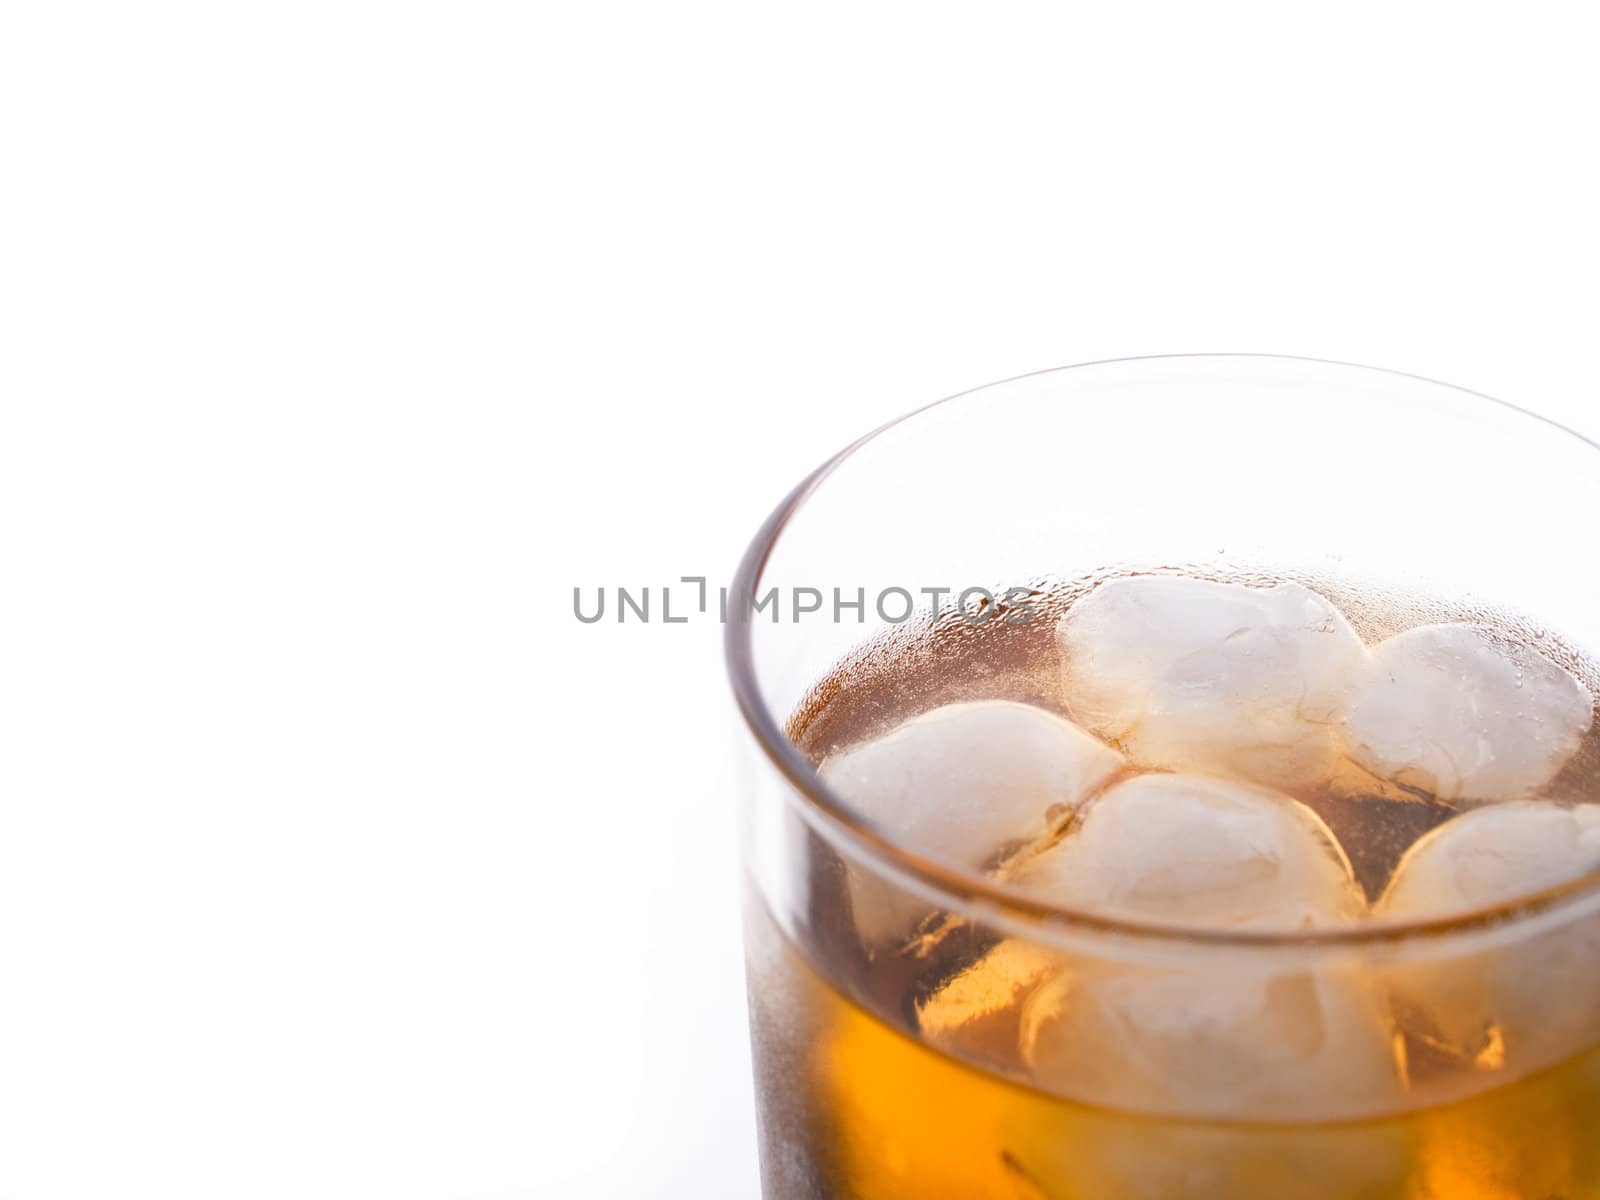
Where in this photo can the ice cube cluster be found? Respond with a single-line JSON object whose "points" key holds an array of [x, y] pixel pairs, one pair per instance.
{"points": [[1199, 717], [1272, 685]]}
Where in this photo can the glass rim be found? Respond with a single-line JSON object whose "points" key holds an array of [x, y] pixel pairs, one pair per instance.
{"points": [[969, 890]]}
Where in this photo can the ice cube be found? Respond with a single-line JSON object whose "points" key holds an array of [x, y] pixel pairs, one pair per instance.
{"points": [[1194, 850], [1222, 678], [1462, 712], [1229, 1038], [1519, 1001], [1491, 855], [958, 784]]}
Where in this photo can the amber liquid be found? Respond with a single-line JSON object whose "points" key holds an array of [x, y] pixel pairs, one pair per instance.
{"points": [[858, 1106], [854, 1109]]}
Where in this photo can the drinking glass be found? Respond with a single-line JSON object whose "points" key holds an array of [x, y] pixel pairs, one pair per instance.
{"points": [[926, 563]]}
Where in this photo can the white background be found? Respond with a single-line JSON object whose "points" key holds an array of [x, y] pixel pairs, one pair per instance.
{"points": [[340, 341]]}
